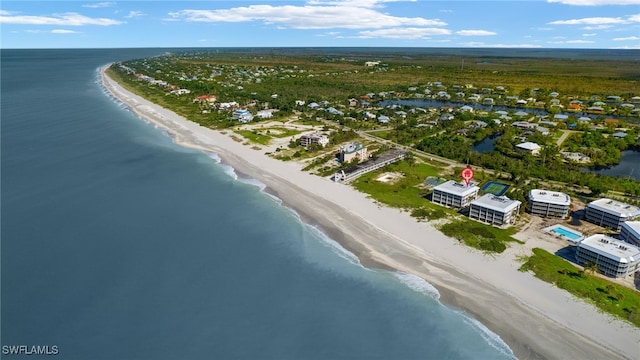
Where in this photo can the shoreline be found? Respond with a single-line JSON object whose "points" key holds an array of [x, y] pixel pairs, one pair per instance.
{"points": [[535, 319]]}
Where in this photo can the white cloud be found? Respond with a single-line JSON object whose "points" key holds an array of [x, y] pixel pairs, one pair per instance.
{"points": [[67, 19], [481, 44], [590, 21], [595, 2], [403, 33], [599, 21], [63, 31], [312, 15], [100, 4], [589, 35], [599, 27], [134, 14], [579, 42], [630, 38], [475, 33]]}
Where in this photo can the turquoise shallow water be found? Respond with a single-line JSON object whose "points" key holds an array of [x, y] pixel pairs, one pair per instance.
{"points": [[119, 244]]}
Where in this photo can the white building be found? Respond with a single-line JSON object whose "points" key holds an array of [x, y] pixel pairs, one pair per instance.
{"points": [[454, 194], [495, 210], [549, 203], [630, 232], [265, 114], [610, 213], [530, 147], [243, 115], [308, 139], [614, 258]]}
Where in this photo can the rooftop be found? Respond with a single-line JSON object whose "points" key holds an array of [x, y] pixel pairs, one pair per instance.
{"points": [[351, 147], [549, 197], [633, 226], [457, 188], [615, 207], [611, 248], [498, 203], [528, 146]]}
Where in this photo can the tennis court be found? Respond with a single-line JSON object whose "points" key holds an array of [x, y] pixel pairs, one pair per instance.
{"points": [[496, 188]]}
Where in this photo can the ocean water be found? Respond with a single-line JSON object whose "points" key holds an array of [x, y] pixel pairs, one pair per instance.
{"points": [[119, 244]]}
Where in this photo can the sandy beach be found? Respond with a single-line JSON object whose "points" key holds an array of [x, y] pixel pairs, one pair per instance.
{"points": [[537, 320]]}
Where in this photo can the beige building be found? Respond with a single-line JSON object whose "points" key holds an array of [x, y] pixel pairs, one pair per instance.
{"points": [[354, 150]]}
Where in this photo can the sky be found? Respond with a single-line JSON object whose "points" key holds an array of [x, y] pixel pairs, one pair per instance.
{"points": [[584, 24]]}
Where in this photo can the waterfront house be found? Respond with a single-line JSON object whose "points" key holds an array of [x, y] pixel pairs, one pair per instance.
{"points": [[630, 232], [243, 115], [610, 213], [547, 203], [454, 194], [614, 258], [354, 150], [319, 139], [494, 210]]}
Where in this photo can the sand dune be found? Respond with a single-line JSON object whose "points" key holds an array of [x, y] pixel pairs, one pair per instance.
{"points": [[537, 320]]}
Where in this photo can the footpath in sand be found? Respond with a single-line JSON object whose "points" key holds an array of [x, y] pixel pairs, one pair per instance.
{"points": [[536, 319]]}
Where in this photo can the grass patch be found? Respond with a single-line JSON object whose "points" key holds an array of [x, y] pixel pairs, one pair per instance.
{"points": [[254, 137], [609, 297], [480, 236], [281, 132], [404, 193]]}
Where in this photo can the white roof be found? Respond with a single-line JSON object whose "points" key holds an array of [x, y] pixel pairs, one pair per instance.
{"points": [[614, 207], [549, 197], [456, 188], [528, 146], [633, 227], [611, 248], [498, 203]]}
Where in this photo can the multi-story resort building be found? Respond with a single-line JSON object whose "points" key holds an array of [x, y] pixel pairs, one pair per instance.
{"points": [[454, 194], [630, 232], [614, 258], [354, 150], [611, 213], [243, 115], [549, 203], [308, 139], [495, 210]]}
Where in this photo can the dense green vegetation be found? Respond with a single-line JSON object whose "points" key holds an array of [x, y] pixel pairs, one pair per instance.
{"points": [[478, 235], [611, 298]]}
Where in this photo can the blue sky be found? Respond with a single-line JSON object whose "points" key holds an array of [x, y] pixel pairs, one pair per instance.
{"points": [[599, 24]]}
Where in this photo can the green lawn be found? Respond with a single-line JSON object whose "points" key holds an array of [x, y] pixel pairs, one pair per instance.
{"points": [[404, 193], [609, 297], [254, 137]]}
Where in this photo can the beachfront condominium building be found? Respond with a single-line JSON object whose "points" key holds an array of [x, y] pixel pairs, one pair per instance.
{"points": [[610, 213], [319, 139], [454, 194], [615, 258], [495, 210], [354, 150], [549, 203], [630, 232]]}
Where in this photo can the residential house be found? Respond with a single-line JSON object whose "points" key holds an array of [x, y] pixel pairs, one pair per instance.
{"points": [[529, 147]]}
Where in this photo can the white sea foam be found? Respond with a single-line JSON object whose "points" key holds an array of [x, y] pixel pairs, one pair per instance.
{"points": [[490, 337], [334, 246], [253, 182], [417, 283], [215, 157], [229, 170]]}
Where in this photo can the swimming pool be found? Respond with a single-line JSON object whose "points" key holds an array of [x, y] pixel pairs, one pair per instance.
{"points": [[564, 232]]}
